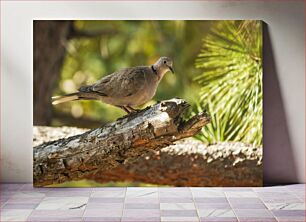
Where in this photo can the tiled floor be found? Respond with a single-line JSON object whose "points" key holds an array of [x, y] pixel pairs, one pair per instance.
{"points": [[22, 202]]}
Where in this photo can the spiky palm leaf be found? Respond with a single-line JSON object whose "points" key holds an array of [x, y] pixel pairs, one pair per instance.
{"points": [[231, 82]]}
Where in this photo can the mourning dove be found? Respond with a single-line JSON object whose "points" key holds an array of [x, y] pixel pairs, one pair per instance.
{"points": [[125, 88]]}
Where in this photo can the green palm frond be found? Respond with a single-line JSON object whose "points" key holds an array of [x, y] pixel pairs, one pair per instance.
{"points": [[231, 81]]}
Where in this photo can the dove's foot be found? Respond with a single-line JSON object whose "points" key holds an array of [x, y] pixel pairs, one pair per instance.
{"points": [[128, 109], [132, 109], [125, 109]]}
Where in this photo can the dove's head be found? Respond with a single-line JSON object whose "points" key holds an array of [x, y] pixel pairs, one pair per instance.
{"points": [[163, 65]]}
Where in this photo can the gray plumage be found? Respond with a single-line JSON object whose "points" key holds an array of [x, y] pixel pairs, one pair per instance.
{"points": [[125, 88]]}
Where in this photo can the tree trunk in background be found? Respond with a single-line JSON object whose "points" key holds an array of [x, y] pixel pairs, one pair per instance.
{"points": [[49, 52]]}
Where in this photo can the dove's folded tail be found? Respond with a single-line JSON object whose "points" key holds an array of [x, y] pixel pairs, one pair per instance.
{"points": [[66, 98], [76, 96]]}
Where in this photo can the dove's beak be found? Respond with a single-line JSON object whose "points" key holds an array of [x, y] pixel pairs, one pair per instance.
{"points": [[171, 69]]}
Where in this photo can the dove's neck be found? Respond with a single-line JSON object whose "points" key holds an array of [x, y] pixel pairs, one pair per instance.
{"points": [[160, 72]]}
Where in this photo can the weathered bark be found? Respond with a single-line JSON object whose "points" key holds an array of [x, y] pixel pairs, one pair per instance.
{"points": [[191, 163], [122, 141]]}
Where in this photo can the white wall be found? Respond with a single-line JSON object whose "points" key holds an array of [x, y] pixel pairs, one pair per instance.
{"points": [[286, 116]]}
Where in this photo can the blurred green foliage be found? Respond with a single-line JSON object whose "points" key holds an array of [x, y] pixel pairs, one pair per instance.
{"points": [[126, 44], [218, 66], [231, 82]]}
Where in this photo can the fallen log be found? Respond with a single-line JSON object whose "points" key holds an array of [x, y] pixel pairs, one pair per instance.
{"points": [[107, 147]]}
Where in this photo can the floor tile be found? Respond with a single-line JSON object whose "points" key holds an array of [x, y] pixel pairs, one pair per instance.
{"points": [[281, 200], [218, 219], [142, 200], [274, 197], [109, 206], [170, 189], [3, 200], [296, 187], [178, 213], [142, 213], [216, 213], [28, 194], [10, 187], [253, 219], [101, 219], [71, 189], [278, 189], [176, 200], [115, 193], [140, 219], [179, 219], [137, 192], [300, 195], [177, 206], [30, 188], [285, 206], [213, 205], [103, 213], [255, 213], [14, 214], [62, 203], [30, 200], [207, 193], [289, 213], [20, 206], [68, 194], [141, 206], [7, 194], [174, 192], [237, 189], [57, 213], [246, 200], [291, 219], [105, 200], [54, 219], [240, 194], [248, 206], [210, 200]]}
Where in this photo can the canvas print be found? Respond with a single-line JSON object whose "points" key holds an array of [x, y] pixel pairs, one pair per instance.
{"points": [[147, 103]]}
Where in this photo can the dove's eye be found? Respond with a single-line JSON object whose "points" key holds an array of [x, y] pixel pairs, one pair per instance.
{"points": [[165, 62]]}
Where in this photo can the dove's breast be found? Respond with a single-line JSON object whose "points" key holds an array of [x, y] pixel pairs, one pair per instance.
{"points": [[145, 92], [145, 95]]}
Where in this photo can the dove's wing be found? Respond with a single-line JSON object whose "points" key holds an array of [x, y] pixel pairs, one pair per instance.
{"points": [[122, 83]]}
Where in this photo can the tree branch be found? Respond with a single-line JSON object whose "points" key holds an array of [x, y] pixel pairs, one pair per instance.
{"points": [[122, 141]]}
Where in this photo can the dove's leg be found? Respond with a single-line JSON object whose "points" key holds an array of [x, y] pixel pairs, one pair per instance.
{"points": [[124, 108], [132, 109]]}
